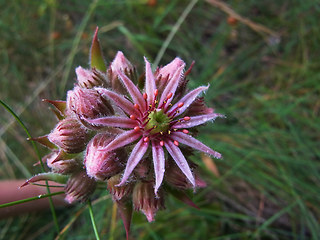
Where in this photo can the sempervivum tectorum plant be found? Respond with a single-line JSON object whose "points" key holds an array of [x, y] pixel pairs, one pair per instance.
{"points": [[137, 137]]}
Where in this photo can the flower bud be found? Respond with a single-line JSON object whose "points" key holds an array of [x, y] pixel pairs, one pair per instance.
{"points": [[79, 187], [198, 107], [175, 177], [120, 63], [70, 135], [90, 78], [144, 199], [66, 166], [88, 103], [118, 192], [103, 164], [165, 74]]}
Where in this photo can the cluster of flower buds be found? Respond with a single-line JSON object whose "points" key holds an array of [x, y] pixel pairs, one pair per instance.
{"points": [[136, 136]]}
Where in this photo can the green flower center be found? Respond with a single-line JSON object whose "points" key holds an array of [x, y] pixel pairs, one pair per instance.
{"points": [[158, 122]]}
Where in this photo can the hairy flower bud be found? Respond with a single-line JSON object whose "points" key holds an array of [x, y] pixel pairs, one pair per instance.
{"points": [[79, 187], [70, 135], [120, 63], [144, 200], [90, 78], [65, 166], [172, 70], [175, 177], [88, 103], [198, 107], [103, 164], [119, 192]]}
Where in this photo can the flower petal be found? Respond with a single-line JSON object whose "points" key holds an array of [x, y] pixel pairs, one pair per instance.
{"points": [[132, 89], [150, 83], [180, 160], [137, 153], [158, 162], [172, 85], [122, 140], [120, 122], [187, 100], [119, 100], [197, 120], [194, 143]]}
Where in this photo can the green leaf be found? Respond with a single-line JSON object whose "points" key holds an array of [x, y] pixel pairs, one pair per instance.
{"points": [[96, 56]]}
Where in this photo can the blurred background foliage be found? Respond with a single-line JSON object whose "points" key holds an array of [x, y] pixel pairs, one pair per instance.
{"points": [[267, 185]]}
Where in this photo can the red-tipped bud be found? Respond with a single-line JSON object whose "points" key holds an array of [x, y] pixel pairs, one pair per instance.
{"points": [[161, 143], [144, 200], [90, 78], [70, 135], [176, 143], [169, 96], [88, 103], [119, 192], [103, 164], [79, 187], [145, 96]]}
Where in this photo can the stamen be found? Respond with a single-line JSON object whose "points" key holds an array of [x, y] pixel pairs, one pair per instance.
{"points": [[169, 95], [185, 131], [161, 133], [156, 92], [169, 132], [166, 100], [176, 143], [175, 111], [180, 105], [186, 118], [136, 106], [133, 117], [145, 96], [146, 139], [161, 143], [136, 128]]}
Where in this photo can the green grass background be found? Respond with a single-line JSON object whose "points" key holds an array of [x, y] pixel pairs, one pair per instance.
{"points": [[269, 180]]}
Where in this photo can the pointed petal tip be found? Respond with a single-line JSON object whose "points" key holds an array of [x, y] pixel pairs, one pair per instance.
{"points": [[25, 184], [125, 211], [149, 216], [96, 32]]}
